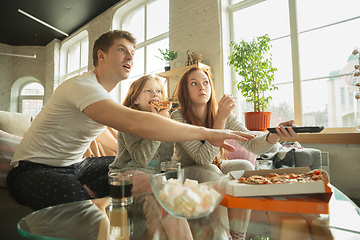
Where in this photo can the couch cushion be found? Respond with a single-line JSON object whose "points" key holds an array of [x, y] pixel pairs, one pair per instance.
{"points": [[239, 153], [8, 145], [15, 123]]}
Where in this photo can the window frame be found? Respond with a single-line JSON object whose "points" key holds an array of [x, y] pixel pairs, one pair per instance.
{"points": [[118, 21], [294, 39], [80, 70], [65, 46], [28, 97]]}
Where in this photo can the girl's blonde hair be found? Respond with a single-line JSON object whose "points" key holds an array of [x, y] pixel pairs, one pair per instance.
{"points": [[136, 88]]}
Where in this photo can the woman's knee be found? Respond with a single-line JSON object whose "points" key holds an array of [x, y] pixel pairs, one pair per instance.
{"points": [[209, 167]]}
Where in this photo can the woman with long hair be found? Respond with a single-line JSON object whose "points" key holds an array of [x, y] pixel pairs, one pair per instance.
{"points": [[198, 106]]}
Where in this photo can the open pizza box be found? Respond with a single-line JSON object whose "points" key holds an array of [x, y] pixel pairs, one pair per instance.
{"points": [[312, 197]]}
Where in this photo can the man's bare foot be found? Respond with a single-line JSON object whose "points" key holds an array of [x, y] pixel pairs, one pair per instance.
{"points": [[91, 193], [101, 202]]}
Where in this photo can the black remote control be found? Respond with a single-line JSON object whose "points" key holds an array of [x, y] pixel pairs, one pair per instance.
{"points": [[301, 129]]}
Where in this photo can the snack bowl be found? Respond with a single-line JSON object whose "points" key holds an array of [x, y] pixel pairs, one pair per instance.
{"points": [[189, 193]]}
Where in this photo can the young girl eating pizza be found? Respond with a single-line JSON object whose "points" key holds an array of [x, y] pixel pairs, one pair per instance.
{"points": [[143, 156]]}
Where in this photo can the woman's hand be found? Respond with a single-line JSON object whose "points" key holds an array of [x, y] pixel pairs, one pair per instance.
{"points": [[283, 133], [164, 112], [225, 106]]}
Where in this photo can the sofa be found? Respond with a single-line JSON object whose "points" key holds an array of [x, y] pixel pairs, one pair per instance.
{"points": [[13, 127]]}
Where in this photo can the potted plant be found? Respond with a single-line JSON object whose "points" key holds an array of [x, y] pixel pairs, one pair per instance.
{"points": [[167, 56], [253, 62]]}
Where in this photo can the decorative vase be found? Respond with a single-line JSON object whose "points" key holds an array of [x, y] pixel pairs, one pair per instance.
{"points": [[257, 121]]}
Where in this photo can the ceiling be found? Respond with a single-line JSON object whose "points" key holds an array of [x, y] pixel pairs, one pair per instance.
{"points": [[66, 15]]}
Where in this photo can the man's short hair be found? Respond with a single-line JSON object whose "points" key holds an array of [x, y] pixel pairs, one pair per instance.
{"points": [[105, 41]]}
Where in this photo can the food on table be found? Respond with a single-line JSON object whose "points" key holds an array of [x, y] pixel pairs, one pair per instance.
{"points": [[274, 178], [189, 198]]}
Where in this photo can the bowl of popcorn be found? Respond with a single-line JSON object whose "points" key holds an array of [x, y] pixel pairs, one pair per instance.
{"points": [[189, 193]]}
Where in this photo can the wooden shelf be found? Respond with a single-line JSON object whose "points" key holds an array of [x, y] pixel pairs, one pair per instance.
{"points": [[328, 138], [179, 71], [171, 74]]}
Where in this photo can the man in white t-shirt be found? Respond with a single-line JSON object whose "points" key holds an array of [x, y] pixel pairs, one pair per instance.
{"points": [[48, 165]]}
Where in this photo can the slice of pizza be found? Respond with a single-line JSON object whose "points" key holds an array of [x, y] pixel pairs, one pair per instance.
{"points": [[318, 175], [159, 105], [255, 179]]}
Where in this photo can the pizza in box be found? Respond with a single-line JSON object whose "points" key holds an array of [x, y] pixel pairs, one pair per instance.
{"points": [[275, 178]]}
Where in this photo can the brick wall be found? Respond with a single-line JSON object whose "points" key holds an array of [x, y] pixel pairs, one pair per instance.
{"points": [[52, 75], [14, 68], [195, 26], [5, 77]]}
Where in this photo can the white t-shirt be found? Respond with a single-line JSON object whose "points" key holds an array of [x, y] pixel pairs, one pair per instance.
{"points": [[61, 132]]}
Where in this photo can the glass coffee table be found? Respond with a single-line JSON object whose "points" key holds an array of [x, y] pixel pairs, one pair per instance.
{"points": [[83, 220]]}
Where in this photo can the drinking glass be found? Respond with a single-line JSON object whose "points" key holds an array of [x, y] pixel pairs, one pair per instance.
{"points": [[169, 166], [121, 221], [121, 187], [264, 164]]}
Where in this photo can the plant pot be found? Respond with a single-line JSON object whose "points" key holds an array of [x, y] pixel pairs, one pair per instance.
{"points": [[257, 121], [167, 68]]}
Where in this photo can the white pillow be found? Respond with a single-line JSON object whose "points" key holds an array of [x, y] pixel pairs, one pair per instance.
{"points": [[8, 145]]}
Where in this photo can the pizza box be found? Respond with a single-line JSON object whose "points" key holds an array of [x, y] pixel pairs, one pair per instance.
{"points": [[236, 189], [309, 198], [308, 203]]}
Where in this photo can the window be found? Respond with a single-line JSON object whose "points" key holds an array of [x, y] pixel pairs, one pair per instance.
{"points": [[313, 87], [31, 98], [77, 58], [151, 31]]}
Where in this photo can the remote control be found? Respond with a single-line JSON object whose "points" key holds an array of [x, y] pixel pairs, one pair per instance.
{"points": [[301, 129]]}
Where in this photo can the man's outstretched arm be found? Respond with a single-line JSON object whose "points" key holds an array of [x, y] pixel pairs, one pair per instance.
{"points": [[151, 126]]}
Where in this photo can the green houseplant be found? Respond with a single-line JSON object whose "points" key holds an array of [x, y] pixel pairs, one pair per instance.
{"points": [[167, 57], [253, 62]]}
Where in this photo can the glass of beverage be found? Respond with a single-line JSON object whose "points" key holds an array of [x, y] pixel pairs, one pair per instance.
{"points": [[121, 221], [121, 187], [264, 164], [169, 166]]}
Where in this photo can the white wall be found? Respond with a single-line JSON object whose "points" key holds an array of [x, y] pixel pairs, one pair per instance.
{"points": [[344, 166]]}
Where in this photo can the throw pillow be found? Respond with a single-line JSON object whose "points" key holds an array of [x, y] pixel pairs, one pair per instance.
{"points": [[8, 145], [240, 152]]}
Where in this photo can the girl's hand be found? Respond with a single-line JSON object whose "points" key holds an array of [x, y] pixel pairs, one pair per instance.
{"points": [[164, 112], [226, 105], [283, 133]]}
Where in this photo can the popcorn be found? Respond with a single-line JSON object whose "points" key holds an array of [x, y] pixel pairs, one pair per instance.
{"points": [[189, 199], [190, 183], [170, 201]]}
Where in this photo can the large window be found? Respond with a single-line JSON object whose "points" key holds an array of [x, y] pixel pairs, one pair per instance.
{"points": [[31, 98], [77, 58], [149, 23], [312, 45]]}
